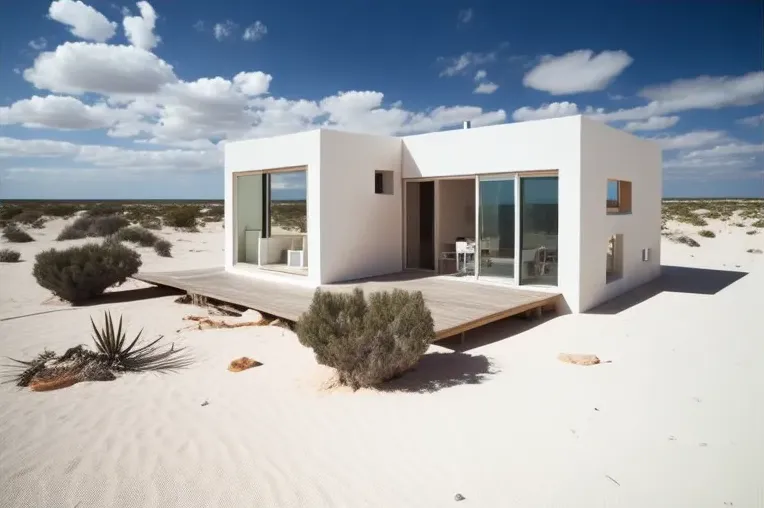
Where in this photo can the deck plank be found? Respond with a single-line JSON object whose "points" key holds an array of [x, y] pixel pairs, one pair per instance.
{"points": [[456, 306]]}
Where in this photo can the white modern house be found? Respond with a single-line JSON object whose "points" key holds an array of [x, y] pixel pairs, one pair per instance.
{"points": [[568, 205]]}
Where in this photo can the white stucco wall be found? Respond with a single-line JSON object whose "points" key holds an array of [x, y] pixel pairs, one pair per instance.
{"points": [[608, 153], [293, 150], [553, 144], [361, 232]]}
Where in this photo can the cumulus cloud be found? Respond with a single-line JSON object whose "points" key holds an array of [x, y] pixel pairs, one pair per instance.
{"points": [[486, 88], [460, 64], [553, 110], [139, 30], [224, 29], [577, 71], [81, 67], [38, 44], [654, 123], [255, 31], [56, 112], [84, 21], [480, 75]]}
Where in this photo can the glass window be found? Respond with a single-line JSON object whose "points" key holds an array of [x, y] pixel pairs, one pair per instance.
{"points": [[496, 233], [538, 230]]}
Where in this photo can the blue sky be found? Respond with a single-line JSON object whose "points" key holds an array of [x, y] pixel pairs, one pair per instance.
{"points": [[105, 99]]}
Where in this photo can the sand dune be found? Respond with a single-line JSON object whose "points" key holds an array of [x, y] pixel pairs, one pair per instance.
{"points": [[674, 420]]}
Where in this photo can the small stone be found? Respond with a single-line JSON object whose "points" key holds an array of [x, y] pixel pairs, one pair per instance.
{"points": [[458, 497], [243, 363], [578, 359]]}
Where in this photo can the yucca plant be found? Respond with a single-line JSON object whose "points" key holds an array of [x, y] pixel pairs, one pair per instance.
{"points": [[110, 343]]}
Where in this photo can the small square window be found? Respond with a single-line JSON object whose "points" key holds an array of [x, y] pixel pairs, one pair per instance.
{"points": [[618, 196], [383, 182], [614, 264]]}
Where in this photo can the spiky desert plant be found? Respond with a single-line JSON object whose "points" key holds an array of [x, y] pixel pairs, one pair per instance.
{"points": [[9, 256], [24, 370], [15, 234], [110, 343]]}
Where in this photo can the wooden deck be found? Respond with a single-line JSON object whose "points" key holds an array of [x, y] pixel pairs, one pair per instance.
{"points": [[456, 306]]}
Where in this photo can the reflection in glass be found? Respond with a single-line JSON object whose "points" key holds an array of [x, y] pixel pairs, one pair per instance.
{"points": [[497, 227], [539, 230]]}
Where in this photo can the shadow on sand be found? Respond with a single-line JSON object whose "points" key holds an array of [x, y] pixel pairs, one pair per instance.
{"points": [[492, 332], [673, 279], [436, 371], [131, 295]]}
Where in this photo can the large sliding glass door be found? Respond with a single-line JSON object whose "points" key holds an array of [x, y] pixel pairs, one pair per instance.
{"points": [[539, 212], [518, 229], [496, 227]]}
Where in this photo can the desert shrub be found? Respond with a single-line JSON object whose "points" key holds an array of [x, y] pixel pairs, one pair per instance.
{"points": [[28, 217], [758, 224], [83, 223], [8, 212], [163, 248], [71, 233], [705, 233], [38, 224], [9, 256], [79, 273], [137, 234], [214, 214], [752, 232], [154, 223], [107, 225], [15, 234], [182, 216], [102, 209], [691, 242], [754, 251], [64, 210], [367, 343]]}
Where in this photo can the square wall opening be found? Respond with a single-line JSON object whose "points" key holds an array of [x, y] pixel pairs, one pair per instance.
{"points": [[383, 182], [614, 260], [618, 196]]}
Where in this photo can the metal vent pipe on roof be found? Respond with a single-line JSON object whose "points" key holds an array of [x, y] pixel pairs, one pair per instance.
{"points": [[467, 124]]}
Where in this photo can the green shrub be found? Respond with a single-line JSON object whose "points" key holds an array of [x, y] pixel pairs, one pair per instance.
{"points": [[9, 256], [705, 233], [367, 343], [690, 242], [102, 209], [28, 217], [758, 224], [64, 210], [182, 216], [163, 248], [214, 213], [107, 225], [15, 234], [8, 212], [70, 232], [137, 234], [80, 273], [154, 223]]}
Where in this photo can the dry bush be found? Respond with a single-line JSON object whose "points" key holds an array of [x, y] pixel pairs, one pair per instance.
{"points": [[154, 223], [81, 273], [182, 216], [107, 225], [705, 233], [163, 248], [367, 343], [28, 217], [70, 232], [137, 234], [9, 256], [102, 209], [9, 211], [15, 234]]}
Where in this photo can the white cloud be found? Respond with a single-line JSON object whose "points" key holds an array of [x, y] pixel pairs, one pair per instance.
{"points": [[139, 30], [480, 75], [199, 26], [465, 16], [252, 83], [728, 149], [80, 67], [255, 31], [58, 112], [654, 123], [84, 21], [726, 160], [553, 110], [112, 157], [682, 95], [752, 121], [486, 88], [224, 29], [38, 44], [690, 140], [460, 64], [577, 71]]}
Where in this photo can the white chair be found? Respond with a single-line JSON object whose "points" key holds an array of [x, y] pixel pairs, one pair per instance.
{"points": [[297, 255]]}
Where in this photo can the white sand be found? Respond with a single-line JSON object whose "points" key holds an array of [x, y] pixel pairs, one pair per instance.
{"points": [[675, 420]]}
